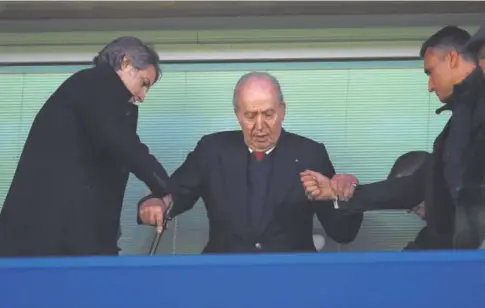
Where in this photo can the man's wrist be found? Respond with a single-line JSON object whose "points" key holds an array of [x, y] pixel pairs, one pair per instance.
{"points": [[152, 196], [142, 200]]}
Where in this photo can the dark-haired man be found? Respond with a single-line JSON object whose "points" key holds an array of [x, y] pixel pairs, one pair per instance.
{"points": [[476, 46], [458, 156]]}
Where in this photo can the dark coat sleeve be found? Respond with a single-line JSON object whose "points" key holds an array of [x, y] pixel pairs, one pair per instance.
{"points": [[393, 194], [188, 178], [103, 117], [342, 226], [186, 181], [421, 242]]}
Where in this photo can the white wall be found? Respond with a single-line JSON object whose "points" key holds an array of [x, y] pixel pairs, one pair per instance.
{"points": [[235, 38]]}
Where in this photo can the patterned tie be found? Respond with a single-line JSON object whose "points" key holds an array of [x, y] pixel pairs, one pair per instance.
{"points": [[258, 155]]}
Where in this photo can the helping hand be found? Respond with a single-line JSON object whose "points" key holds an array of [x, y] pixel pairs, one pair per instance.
{"points": [[317, 186], [344, 186], [152, 211], [320, 187]]}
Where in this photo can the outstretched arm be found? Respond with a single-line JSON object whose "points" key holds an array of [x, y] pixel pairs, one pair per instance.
{"points": [[186, 184], [342, 226], [398, 193], [102, 114]]}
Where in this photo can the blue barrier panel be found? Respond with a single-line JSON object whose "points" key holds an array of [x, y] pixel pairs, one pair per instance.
{"points": [[384, 279]]}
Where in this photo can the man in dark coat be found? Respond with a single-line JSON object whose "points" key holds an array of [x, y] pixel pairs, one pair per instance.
{"points": [[476, 46], [67, 192], [449, 182], [249, 180]]}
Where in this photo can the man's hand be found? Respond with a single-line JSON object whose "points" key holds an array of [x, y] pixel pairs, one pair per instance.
{"points": [[320, 187], [152, 210], [344, 186], [317, 186]]}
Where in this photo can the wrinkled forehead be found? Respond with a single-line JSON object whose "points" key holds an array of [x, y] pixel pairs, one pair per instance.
{"points": [[258, 94]]}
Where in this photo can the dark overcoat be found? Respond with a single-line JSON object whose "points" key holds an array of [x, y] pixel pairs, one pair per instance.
{"points": [[450, 224], [67, 191]]}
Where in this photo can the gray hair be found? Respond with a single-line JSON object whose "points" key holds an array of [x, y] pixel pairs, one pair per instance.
{"points": [[140, 54], [262, 75]]}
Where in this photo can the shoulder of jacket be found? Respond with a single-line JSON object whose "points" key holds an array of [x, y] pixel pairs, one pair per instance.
{"points": [[221, 137], [303, 141], [84, 75]]}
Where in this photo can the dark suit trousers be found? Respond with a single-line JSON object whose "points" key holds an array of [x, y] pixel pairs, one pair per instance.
{"points": [[469, 227]]}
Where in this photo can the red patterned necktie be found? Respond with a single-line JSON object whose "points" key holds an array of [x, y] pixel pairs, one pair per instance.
{"points": [[258, 155]]}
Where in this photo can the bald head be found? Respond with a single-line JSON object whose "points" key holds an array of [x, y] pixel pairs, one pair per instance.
{"points": [[254, 80], [260, 109]]}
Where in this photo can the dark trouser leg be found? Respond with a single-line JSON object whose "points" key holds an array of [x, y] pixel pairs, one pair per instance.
{"points": [[469, 227]]}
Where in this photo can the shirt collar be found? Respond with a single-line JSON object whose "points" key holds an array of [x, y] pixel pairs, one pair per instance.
{"points": [[469, 86], [267, 152], [113, 83]]}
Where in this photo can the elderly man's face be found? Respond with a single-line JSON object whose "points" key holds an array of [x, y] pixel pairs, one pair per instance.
{"points": [[260, 113], [439, 65], [138, 82]]}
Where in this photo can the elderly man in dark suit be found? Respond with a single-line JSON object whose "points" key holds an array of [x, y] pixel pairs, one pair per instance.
{"points": [[249, 180], [450, 181], [67, 191]]}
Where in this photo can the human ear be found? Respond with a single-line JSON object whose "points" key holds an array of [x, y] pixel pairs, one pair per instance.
{"points": [[125, 64], [453, 58]]}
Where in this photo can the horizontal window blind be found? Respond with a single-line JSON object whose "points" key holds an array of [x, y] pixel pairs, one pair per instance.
{"points": [[366, 114], [11, 87]]}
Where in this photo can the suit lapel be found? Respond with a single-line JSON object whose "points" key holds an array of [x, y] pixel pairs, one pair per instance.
{"points": [[284, 172], [234, 161]]}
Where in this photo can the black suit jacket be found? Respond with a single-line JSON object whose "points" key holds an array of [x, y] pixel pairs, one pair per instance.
{"points": [[216, 171], [428, 182], [66, 194]]}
